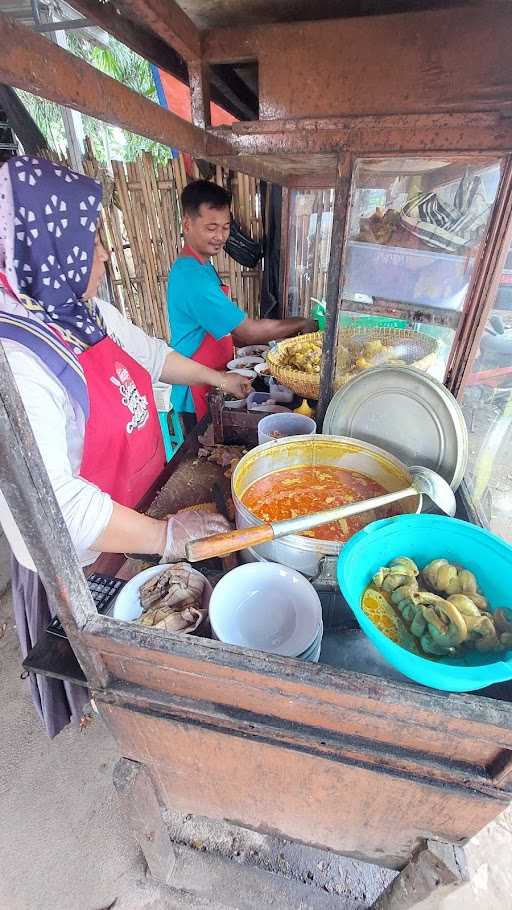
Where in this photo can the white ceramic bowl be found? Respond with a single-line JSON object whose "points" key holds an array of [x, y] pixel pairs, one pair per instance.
{"points": [[261, 370], [267, 607], [315, 646], [127, 605], [250, 349], [249, 374], [244, 363]]}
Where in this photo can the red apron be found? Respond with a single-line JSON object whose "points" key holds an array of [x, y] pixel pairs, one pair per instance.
{"points": [[123, 449], [211, 353]]}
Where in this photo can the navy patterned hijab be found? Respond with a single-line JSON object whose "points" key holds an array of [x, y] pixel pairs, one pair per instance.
{"points": [[50, 215]]}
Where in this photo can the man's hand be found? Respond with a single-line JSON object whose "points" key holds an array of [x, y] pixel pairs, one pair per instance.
{"points": [[234, 384], [311, 326]]}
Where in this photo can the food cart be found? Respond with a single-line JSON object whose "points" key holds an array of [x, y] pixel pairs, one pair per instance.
{"points": [[353, 762]]}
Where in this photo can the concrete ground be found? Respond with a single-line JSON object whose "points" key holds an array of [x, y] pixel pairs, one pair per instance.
{"points": [[64, 844]]}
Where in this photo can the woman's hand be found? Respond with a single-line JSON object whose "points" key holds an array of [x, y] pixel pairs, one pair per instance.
{"points": [[234, 384], [187, 526], [184, 371]]}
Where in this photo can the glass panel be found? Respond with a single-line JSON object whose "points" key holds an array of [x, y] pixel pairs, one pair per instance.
{"points": [[414, 233], [309, 244], [487, 405]]}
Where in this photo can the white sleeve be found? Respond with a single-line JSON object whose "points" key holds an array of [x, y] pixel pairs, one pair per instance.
{"points": [[149, 352], [86, 509]]}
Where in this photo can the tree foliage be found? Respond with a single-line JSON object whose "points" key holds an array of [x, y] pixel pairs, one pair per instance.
{"points": [[119, 62]]}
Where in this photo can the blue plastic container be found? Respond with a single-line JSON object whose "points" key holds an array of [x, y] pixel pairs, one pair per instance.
{"points": [[423, 538]]}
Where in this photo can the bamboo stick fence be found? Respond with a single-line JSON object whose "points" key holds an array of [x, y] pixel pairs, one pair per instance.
{"points": [[141, 227]]}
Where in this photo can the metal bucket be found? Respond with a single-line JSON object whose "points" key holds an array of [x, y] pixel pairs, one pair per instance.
{"points": [[308, 554]]}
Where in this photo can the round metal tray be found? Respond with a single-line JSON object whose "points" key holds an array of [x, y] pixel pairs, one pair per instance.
{"points": [[408, 413]]}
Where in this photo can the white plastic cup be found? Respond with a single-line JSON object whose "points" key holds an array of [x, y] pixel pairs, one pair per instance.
{"points": [[276, 426]]}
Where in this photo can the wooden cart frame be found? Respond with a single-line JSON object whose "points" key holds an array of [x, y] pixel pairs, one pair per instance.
{"points": [[350, 762]]}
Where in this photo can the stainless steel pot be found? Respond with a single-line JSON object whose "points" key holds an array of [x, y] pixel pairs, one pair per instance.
{"points": [[306, 553]]}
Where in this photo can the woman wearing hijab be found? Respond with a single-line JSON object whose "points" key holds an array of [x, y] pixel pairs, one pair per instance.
{"points": [[85, 375]]}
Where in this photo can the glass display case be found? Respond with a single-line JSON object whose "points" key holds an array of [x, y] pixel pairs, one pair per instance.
{"points": [[487, 406], [309, 246], [415, 227]]}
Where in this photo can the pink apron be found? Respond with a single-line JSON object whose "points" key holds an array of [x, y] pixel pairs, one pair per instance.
{"points": [[123, 449], [211, 353]]}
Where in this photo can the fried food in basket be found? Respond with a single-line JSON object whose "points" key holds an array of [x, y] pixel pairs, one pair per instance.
{"points": [[307, 357]]}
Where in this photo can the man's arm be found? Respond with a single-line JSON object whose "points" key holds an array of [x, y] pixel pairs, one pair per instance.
{"points": [[259, 331]]}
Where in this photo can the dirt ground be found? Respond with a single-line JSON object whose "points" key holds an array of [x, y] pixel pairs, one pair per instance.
{"points": [[64, 844]]}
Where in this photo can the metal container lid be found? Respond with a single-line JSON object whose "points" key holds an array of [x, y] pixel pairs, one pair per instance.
{"points": [[408, 413]]}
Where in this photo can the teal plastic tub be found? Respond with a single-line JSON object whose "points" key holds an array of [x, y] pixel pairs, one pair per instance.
{"points": [[423, 538]]}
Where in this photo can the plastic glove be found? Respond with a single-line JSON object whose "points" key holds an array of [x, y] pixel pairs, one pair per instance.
{"points": [[234, 384], [187, 526]]}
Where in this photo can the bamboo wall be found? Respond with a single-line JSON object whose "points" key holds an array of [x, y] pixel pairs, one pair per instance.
{"points": [[141, 226]]}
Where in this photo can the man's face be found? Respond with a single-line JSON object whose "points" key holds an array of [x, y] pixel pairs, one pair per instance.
{"points": [[208, 231]]}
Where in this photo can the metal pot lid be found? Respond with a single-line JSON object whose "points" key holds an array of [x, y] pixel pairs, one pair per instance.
{"points": [[408, 413]]}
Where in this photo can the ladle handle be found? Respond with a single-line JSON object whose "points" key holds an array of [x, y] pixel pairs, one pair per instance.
{"points": [[232, 541], [229, 542]]}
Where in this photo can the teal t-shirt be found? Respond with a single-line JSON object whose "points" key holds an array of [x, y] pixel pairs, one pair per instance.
{"points": [[197, 305]]}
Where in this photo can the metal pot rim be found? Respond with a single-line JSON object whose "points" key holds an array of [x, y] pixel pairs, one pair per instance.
{"points": [[298, 541]]}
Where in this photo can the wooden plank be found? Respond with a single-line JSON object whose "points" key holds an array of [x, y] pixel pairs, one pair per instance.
{"points": [[394, 759], [340, 72], [35, 64], [297, 691], [334, 283], [416, 122], [349, 808], [167, 20], [27, 489], [144, 42]]}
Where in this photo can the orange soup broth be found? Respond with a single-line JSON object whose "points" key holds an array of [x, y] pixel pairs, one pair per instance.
{"points": [[300, 491]]}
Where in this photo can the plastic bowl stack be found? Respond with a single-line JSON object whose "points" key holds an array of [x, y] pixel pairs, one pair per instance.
{"points": [[268, 607]]}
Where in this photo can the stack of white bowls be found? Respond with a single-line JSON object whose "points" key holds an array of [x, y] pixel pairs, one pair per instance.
{"points": [[268, 607]]}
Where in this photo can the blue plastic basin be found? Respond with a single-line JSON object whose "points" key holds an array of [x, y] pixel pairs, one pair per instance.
{"points": [[423, 538]]}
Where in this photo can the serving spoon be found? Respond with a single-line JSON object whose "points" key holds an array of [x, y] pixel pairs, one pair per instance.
{"points": [[424, 481]]}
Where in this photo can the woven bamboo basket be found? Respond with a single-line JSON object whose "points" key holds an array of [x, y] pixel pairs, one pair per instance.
{"points": [[414, 348]]}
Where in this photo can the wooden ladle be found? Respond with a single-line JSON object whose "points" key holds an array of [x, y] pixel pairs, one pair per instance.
{"points": [[423, 482]]}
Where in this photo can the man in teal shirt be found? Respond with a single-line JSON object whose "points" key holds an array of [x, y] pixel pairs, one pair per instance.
{"points": [[203, 320]]}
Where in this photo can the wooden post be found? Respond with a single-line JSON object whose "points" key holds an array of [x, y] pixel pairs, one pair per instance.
{"points": [[140, 805], [283, 252], [334, 283], [198, 74], [30, 497], [216, 403], [432, 874], [484, 286]]}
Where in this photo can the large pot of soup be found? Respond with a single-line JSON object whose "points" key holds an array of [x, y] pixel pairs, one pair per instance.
{"points": [[302, 474]]}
